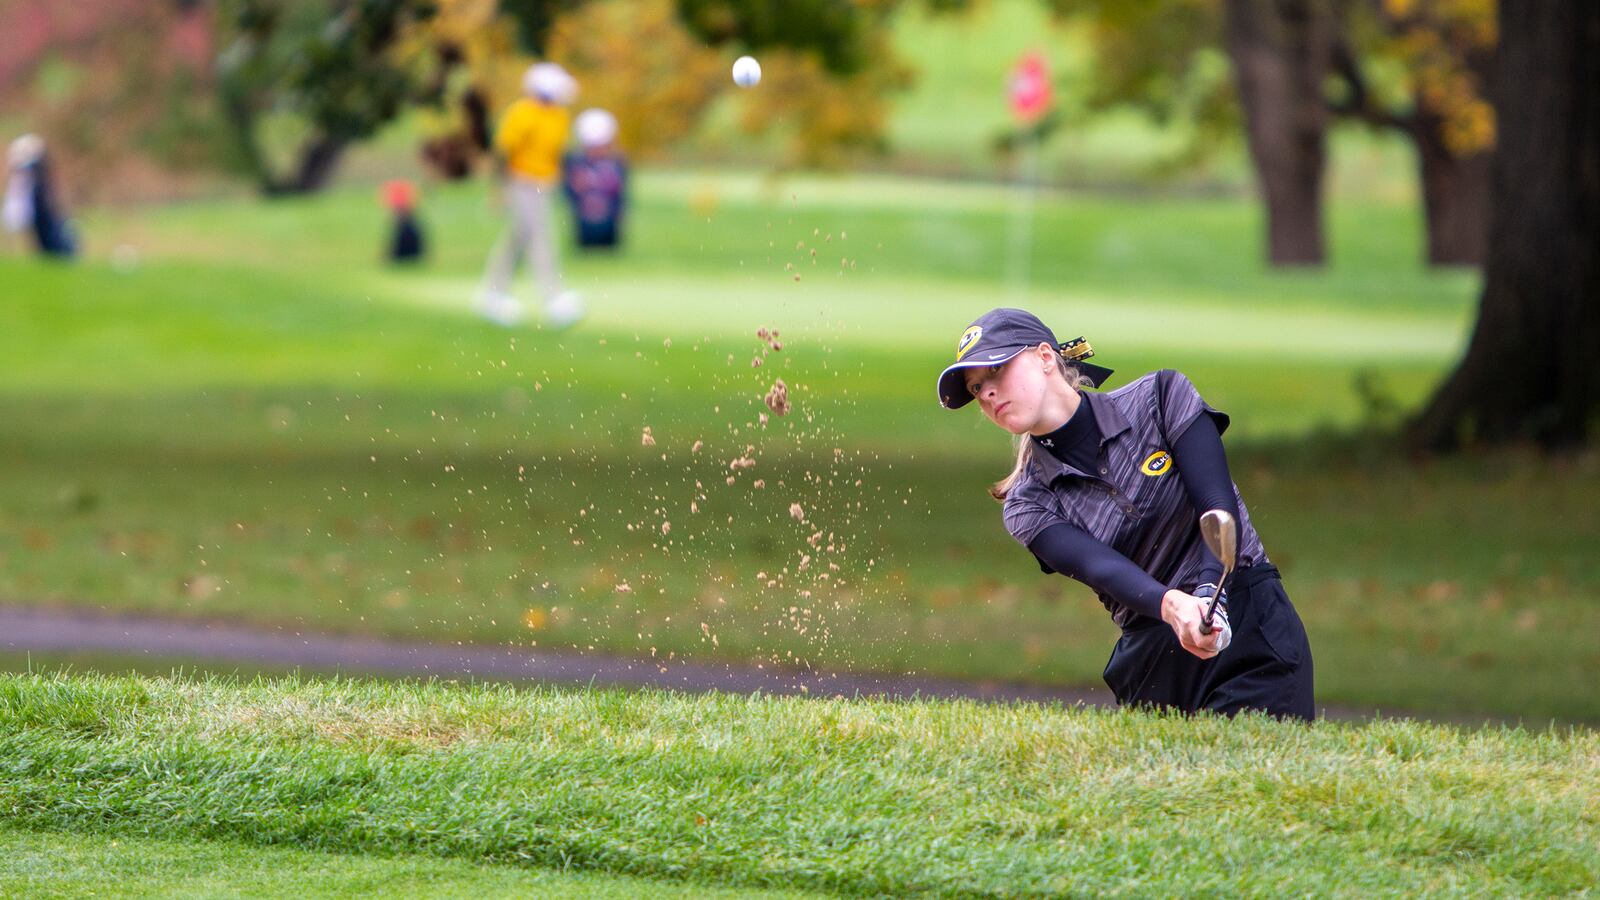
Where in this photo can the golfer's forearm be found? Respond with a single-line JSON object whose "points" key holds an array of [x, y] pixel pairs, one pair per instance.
{"points": [[1076, 554], [1203, 469]]}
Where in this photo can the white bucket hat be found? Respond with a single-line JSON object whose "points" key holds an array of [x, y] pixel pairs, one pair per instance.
{"points": [[550, 82], [595, 127]]}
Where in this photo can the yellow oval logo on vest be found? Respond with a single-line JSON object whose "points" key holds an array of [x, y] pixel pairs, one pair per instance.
{"points": [[969, 338], [1159, 463]]}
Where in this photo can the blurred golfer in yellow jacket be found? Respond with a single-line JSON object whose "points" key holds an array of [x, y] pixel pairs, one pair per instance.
{"points": [[530, 140]]}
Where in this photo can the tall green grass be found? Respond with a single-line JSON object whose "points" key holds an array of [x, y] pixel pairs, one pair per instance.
{"points": [[848, 796]]}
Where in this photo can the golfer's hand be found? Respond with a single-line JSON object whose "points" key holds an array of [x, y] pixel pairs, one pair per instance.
{"points": [[1184, 612]]}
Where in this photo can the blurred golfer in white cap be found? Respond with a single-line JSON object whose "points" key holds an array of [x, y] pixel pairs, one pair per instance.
{"points": [[30, 201], [596, 180], [530, 139]]}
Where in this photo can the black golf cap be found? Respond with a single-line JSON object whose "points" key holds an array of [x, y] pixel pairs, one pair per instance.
{"points": [[997, 336]]}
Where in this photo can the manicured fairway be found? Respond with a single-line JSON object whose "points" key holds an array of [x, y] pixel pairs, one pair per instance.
{"points": [[257, 422], [846, 796]]}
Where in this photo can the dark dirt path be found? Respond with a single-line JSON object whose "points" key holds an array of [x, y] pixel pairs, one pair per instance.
{"points": [[47, 630]]}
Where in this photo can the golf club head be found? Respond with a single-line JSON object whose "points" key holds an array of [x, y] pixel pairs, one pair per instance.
{"points": [[1221, 537]]}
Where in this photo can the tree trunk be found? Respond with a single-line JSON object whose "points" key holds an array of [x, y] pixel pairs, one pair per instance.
{"points": [[1455, 196], [1530, 371], [1281, 52], [241, 118], [319, 158]]}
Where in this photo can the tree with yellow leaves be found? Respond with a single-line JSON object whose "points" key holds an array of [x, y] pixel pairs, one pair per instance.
{"points": [[1417, 66], [637, 60], [344, 68], [1441, 50]]}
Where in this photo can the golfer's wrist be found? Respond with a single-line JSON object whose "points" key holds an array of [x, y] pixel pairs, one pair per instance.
{"points": [[1170, 603]]}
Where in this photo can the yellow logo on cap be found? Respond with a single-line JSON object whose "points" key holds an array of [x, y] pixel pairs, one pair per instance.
{"points": [[969, 339], [1159, 463]]}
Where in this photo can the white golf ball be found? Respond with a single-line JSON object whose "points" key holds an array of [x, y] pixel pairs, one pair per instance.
{"points": [[746, 71]]}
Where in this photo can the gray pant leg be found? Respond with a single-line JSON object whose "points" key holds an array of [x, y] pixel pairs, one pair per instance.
{"points": [[541, 245], [508, 249]]}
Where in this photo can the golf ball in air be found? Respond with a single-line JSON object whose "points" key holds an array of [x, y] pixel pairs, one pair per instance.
{"points": [[746, 71]]}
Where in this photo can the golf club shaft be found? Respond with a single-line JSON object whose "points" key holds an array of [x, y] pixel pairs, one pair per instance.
{"points": [[1219, 532], [1211, 608]]}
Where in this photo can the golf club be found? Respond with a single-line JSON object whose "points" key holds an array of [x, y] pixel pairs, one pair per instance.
{"points": [[1217, 530]]}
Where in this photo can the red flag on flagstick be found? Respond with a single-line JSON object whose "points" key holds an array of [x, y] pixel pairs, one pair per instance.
{"points": [[1029, 88]]}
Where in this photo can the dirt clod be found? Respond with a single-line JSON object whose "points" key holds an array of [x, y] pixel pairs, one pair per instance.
{"points": [[777, 398]]}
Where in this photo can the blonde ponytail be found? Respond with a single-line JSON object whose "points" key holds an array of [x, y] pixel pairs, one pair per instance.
{"points": [[1001, 488]]}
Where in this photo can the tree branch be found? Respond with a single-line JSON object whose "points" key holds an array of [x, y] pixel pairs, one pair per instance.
{"points": [[1359, 105]]}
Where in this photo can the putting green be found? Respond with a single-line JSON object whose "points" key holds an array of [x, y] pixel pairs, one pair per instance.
{"points": [[924, 317]]}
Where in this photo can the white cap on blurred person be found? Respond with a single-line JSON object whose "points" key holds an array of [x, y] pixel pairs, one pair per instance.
{"points": [[595, 128], [549, 82], [25, 151]]}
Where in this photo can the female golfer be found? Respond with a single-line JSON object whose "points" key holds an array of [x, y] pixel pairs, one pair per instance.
{"points": [[1108, 489]]}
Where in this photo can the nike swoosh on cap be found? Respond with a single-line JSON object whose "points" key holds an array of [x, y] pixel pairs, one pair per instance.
{"points": [[997, 355]]}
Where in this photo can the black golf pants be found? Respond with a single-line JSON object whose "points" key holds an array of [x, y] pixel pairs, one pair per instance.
{"points": [[1267, 667]]}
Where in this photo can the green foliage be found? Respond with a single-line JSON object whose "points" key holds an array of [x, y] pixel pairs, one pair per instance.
{"points": [[1165, 58], [345, 70], [1395, 61], [334, 66], [635, 59], [1145, 51], [828, 119], [1421, 64], [829, 70], [344, 79], [841, 795], [844, 34], [536, 18]]}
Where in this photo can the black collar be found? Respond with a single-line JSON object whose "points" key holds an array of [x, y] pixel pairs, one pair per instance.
{"points": [[1070, 439], [1108, 420]]}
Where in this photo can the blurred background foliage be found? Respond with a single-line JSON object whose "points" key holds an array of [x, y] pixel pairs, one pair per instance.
{"points": [[277, 90]]}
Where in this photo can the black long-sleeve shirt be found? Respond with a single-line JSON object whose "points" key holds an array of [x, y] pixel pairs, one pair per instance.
{"points": [[1202, 468]]}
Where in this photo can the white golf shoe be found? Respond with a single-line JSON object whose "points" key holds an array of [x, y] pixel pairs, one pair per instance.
{"points": [[565, 310], [501, 309]]}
